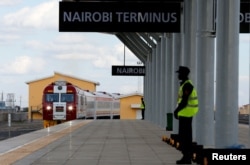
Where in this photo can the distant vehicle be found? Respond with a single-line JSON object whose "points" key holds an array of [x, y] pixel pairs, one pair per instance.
{"points": [[63, 101], [2, 105]]}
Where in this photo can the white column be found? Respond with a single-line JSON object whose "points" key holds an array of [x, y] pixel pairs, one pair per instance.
{"points": [[157, 89], [163, 97], [177, 52], [227, 68], [169, 75], [205, 73]]}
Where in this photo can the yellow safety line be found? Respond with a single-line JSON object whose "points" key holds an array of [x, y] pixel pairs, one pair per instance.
{"points": [[19, 153]]}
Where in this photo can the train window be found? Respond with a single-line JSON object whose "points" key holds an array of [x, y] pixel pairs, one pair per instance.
{"points": [[67, 97], [52, 97], [82, 100]]}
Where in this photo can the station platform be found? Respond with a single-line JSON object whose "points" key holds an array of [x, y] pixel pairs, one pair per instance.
{"points": [[95, 142]]}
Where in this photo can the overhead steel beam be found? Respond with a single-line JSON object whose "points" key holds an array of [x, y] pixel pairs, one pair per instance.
{"points": [[139, 42], [147, 38], [139, 54], [156, 36]]}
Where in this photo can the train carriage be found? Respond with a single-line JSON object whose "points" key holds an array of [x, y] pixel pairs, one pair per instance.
{"points": [[63, 101], [104, 105]]}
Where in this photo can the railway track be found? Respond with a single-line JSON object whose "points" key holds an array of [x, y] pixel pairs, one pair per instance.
{"points": [[19, 128]]}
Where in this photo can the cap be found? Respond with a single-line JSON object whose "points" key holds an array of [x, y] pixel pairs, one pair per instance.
{"points": [[183, 70]]}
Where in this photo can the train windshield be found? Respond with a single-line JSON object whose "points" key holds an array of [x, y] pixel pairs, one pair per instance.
{"points": [[67, 97], [53, 97]]}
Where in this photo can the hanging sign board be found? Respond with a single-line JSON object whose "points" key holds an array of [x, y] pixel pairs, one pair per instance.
{"points": [[245, 17], [123, 70], [119, 16]]}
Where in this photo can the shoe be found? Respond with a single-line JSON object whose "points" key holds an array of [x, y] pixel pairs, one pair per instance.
{"points": [[183, 161]]}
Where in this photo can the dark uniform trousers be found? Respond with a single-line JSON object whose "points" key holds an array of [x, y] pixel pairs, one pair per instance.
{"points": [[185, 136]]}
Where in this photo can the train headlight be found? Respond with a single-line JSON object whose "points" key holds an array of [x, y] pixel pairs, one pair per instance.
{"points": [[48, 107], [70, 107]]}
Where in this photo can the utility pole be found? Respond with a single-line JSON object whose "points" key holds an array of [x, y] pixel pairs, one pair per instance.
{"points": [[20, 101], [139, 78]]}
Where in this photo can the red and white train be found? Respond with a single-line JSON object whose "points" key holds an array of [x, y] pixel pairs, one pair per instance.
{"points": [[63, 101]]}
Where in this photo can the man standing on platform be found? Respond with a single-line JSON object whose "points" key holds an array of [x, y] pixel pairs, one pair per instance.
{"points": [[187, 108], [142, 108]]}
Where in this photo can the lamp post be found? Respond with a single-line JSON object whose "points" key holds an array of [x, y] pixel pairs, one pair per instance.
{"points": [[139, 79]]}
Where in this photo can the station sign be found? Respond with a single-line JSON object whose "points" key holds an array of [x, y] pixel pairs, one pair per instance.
{"points": [[245, 17], [122, 70], [116, 16]]}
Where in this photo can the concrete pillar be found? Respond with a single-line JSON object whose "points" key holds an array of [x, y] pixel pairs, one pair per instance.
{"points": [[177, 44], [157, 82], [205, 72], [189, 57], [147, 87], [163, 105], [227, 68], [169, 74], [154, 94], [172, 77], [157, 85]]}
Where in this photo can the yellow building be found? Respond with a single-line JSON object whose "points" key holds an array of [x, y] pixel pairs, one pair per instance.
{"points": [[244, 109], [36, 90], [130, 106]]}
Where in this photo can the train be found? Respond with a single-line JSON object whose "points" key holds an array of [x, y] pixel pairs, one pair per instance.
{"points": [[63, 101]]}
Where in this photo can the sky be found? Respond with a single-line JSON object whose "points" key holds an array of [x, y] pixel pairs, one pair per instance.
{"points": [[31, 48]]}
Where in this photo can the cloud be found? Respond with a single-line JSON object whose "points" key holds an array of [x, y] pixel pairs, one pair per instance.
{"points": [[62, 42], [44, 16], [74, 47], [244, 38], [126, 89], [73, 56], [105, 61], [99, 56], [9, 3], [243, 90], [7, 38], [22, 65], [71, 38]]}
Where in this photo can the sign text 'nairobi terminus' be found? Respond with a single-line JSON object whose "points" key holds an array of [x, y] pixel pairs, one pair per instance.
{"points": [[119, 17]]}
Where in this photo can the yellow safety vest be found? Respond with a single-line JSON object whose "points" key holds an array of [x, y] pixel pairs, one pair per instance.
{"points": [[192, 105], [142, 106]]}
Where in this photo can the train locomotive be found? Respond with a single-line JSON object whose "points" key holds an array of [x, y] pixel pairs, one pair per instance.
{"points": [[63, 101]]}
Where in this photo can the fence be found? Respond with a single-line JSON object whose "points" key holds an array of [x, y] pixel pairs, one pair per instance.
{"points": [[15, 116]]}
